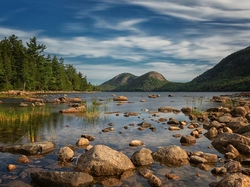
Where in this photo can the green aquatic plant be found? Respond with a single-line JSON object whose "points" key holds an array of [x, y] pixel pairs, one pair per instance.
{"points": [[94, 111], [14, 114]]}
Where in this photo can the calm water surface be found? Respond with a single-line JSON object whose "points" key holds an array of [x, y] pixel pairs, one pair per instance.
{"points": [[65, 129]]}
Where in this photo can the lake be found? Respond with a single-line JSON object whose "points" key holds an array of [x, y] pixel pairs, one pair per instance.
{"points": [[65, 129]]}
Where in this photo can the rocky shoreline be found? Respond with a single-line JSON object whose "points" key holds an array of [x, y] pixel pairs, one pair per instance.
{"points": [[228, 129]]}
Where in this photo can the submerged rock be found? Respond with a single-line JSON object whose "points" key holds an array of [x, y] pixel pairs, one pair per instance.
{"points": [[30, 148], [154, 181], [62, 179], [101, 160]]}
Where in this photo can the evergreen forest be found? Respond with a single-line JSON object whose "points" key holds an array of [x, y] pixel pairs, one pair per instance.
{"points": [[29, 68]]}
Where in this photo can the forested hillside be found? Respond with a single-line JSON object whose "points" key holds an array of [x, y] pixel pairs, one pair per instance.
{"points": [[28, 68]]}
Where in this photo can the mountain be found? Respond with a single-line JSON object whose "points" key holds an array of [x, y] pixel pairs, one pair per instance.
{"points": [[126, 82], [230, 74], [117, 81]]}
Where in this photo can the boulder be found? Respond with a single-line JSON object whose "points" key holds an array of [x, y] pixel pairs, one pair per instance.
{"points": [[65, 154], [23, 159], [167, 109], [236, 125], [188, 140], [225, 119], [171, 156], [108, 129], [145, 125], [241, 143], [239, 112], [62, 179], [74, 100], [243, 130], [200, 157], [236, 179], [233, 166], [30, 148], [230, 148], [173, 121], [120, 98], [211, 133], [186, 110], [33, 100], [142, 157], [154, 181], [136, 143], [101, 160], [11, 167], [74, 110], [82, 142]]}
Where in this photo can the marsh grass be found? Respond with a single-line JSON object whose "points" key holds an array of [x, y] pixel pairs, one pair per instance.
{"points": [[94, 110], [19, 115]]}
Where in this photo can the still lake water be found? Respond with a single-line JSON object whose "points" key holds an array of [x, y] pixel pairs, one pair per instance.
{"points": [[65, 129]]}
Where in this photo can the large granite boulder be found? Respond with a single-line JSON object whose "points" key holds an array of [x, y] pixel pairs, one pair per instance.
{"points": [[241, 143], [171, 155], [30, 148], [62, 179], [101, 160]]}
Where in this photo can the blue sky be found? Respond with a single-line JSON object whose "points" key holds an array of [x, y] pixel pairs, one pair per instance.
{"points": [[180, 39]]}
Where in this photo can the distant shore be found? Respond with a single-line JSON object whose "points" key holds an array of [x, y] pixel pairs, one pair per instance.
{"points": [[20, 93]]}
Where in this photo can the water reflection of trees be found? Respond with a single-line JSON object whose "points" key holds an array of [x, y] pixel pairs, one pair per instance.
{"points": [[38, 128]]}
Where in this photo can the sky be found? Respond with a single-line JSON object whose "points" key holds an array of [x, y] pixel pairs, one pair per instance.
{"points": [[180, 39]]}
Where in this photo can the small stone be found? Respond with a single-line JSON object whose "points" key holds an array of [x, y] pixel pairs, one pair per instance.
{"points": [[191, 127], [154, 181], [82, 142], [146, 173], [173, 128], [23, 159], [136, 143], [111, 124], [177, 135], [172, 176], [65, 154], [11, 167], [108, 129], [187, 139]]}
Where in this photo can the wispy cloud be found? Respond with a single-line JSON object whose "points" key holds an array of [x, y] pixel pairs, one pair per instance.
{"points": [[202, 10], [118, 25]]}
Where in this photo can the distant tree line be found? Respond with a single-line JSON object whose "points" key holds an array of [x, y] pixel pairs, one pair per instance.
{"points": [[27, 68]]}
